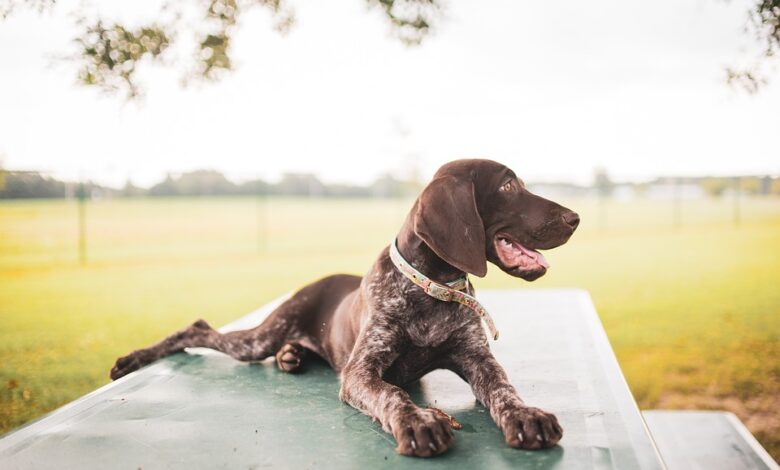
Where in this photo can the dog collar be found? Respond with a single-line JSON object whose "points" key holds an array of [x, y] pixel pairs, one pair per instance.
{"points": [[450, 292]]}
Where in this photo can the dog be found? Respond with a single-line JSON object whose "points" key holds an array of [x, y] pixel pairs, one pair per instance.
{"points": [[414, 311]]}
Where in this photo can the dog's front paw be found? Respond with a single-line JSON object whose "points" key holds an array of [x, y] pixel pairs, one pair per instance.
{"points": [[530, 428], [422, 433]]}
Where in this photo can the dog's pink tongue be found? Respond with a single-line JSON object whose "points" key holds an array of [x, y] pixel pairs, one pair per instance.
{"points": [[536, 256], [542, 260]]}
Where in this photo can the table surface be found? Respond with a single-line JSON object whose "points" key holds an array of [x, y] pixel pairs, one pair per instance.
{"points": [[202, 409], [703, 440]]}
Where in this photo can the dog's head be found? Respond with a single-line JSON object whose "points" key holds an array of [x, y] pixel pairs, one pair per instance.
{"points": [[475, 211]]}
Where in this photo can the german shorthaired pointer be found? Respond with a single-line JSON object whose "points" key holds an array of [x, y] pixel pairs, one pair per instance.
{"points": [[414, 311]]}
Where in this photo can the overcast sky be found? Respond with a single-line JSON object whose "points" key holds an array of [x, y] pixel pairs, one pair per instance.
{"points": [[552, 89]]}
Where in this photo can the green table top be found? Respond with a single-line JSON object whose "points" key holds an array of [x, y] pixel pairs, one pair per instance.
{"points": [[203, 409]]}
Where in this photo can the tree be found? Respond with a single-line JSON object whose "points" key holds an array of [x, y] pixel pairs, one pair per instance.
{"points": [[131, 190], [388, 186], [2, 175], [714, 186], [204, 182], [30, 184], [763, 23], [167, 187], [194, 183], [300, 184], [110, 53], [602, 182]]}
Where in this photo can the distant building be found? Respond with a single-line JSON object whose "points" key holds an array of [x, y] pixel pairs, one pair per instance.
{"points": [[624, 192], [672, 190]]}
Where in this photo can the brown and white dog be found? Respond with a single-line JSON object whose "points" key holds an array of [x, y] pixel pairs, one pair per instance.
{"points": [[382, 331]]}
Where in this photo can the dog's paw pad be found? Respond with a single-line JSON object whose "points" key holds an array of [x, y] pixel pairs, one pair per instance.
{"points": [[289, 357]]}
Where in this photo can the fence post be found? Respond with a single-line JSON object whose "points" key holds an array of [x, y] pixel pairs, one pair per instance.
{"points": [[677, 204], [737, 202], [81, 195], [602, 210], [261, 219]]}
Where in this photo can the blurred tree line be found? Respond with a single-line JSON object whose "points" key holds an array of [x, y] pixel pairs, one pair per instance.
{"points": [[31, 184]]}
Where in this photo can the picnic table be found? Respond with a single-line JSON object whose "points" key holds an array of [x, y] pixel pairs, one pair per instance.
{"points": [[202, 409]]}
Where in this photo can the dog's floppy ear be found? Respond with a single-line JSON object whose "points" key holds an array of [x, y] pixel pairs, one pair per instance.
{"points": [[448, 222]]}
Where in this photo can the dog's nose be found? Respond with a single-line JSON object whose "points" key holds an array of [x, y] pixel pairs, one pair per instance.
{"points": [[571, 218]]}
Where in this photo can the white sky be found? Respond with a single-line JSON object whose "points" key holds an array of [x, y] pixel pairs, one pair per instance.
{"points": [[551, 89]]}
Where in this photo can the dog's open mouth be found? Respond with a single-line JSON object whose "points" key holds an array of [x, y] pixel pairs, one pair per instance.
{"points": [[515, 256]]}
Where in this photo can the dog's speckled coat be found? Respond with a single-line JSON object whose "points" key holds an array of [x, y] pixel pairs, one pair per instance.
{"points": [[382, 332]]}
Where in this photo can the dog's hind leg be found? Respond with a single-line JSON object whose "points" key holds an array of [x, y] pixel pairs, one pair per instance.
{"points": [[247, 345], [290, 330]]}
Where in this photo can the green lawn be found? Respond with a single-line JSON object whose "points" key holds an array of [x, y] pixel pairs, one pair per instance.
{"points": [[693, 311]]}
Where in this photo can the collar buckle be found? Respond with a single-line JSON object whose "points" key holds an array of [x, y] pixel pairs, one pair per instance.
{"points": [[437, 291]]}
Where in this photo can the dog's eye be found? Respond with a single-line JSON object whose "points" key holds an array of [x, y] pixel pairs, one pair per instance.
{"points": [[506, 187]]}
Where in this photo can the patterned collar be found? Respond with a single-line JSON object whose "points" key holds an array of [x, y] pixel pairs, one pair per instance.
{"points": [[455, 291]]}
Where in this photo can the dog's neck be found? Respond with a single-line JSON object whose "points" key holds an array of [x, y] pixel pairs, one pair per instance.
{"points": [[417, 253]]}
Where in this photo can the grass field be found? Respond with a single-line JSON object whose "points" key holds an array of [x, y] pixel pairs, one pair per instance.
{"points": [[693, 311]]}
